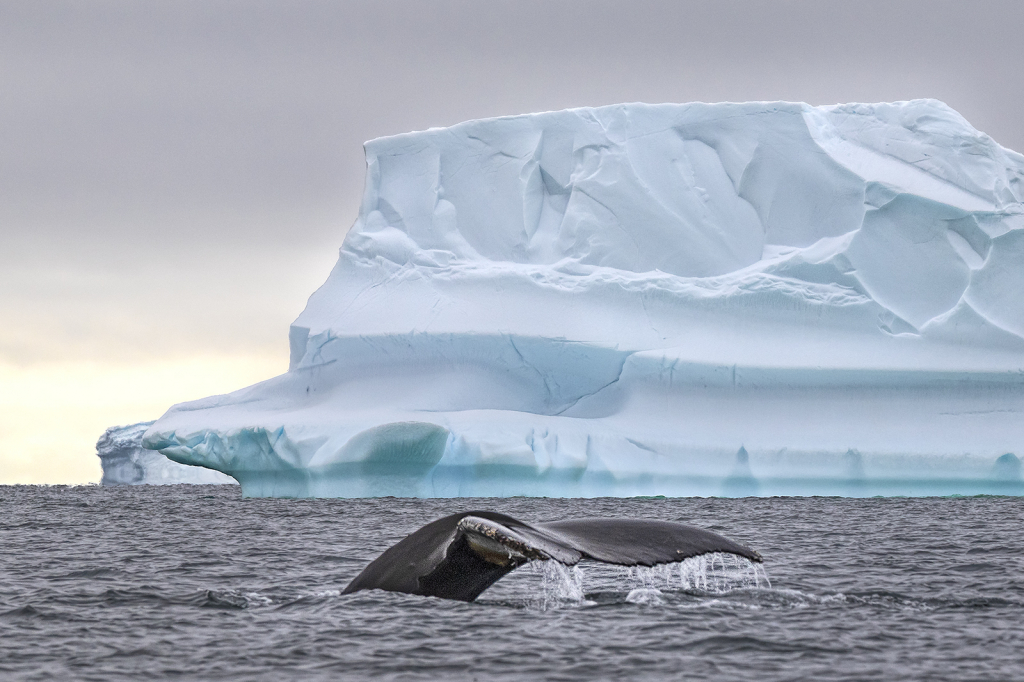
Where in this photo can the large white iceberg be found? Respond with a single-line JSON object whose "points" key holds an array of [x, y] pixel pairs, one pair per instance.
{"points": [[699, 299]]}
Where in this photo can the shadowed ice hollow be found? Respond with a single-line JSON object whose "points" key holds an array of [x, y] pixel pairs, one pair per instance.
{"points": [[678, 299]]}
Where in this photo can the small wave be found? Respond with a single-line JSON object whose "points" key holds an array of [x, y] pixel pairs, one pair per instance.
{"points": [[230, 599], [119, 596], [883, 599], [991, 549], [719, 645], [975, 568], [309, 599], [27, 611], [100, 572]]}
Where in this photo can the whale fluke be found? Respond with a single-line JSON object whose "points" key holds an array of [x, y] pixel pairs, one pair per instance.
{"points": [[460, 556]]}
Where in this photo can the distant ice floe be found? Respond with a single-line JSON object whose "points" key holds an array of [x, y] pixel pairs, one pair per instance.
{"points": [[679, 299]]}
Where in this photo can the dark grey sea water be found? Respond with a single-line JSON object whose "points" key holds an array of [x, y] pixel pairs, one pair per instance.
{"points": [[196, 583]]}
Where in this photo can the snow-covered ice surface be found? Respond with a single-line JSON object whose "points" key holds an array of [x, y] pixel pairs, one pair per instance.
{"points": [[126, 462], [695, 299]]}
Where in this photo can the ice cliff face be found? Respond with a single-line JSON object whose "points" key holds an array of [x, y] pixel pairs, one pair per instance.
{"points": [[671, 299], [126, 462]]}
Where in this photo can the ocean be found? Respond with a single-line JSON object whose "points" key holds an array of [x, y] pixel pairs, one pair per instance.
{"points": [[190, 582]]}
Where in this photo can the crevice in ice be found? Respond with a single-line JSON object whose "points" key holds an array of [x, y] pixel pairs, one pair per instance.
{"points": [[542, 375], [642, 446], [591, 394]]}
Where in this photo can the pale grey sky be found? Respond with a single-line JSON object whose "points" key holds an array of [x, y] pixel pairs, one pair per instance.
{"points": [[176, 176], [203, 159]]}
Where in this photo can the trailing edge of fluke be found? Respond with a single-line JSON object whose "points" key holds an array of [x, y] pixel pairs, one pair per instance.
{"points": [[460, 556]]}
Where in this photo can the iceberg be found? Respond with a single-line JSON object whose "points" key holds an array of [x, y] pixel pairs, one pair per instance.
{"points": [[677, 299], [126, 462]]}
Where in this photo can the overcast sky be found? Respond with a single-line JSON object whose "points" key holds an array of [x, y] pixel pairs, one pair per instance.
{"points": [[176, 177]]}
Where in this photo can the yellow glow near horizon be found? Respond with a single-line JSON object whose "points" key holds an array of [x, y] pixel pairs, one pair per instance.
{"points": [[52, 414]]}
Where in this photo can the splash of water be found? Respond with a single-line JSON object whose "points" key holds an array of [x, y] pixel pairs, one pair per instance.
{"points": [[709, 573], [560, 583], [706, 573]]}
